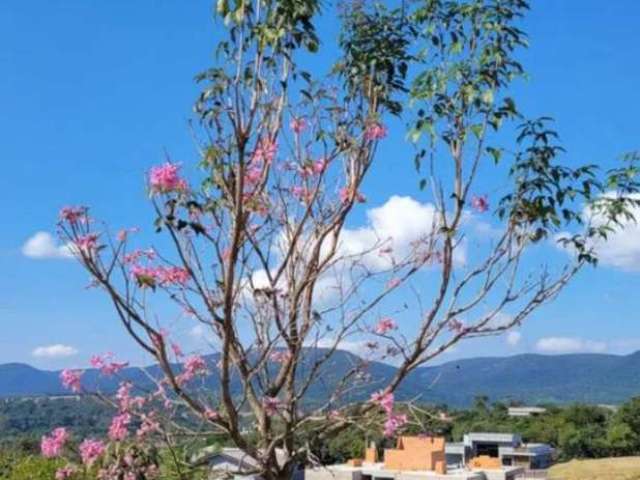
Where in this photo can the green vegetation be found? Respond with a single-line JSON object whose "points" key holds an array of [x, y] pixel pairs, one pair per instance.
{"points": [[577, 431]]}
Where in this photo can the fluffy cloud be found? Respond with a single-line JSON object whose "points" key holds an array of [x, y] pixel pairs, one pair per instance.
{"points": [[622, 248], [398, 223], [570, 345], [513, 338], [57, 350], [43, 245]]}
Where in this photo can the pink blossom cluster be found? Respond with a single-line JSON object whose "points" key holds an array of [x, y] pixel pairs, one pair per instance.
{"points": [[63, 473], [124, 233], [298, 125], [71, 379], [106, 364], [148, 425], [136, 255], [375, 131], [192, 366], [265, 151], [384, 399], [74, 215], [166, 179], [348, 194], [87, 244], [126, 402], [315, 168], [393, 283], [211, 414], [177, 349], [280, 356], [394, 421], [271, 405], [51, 446], [480, 203], [91, 450], [384, 325], [165, 276], [119, 428], [304, 194]]}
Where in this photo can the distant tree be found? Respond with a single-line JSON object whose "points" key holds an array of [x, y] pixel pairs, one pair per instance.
{"points": [[257, 251]]}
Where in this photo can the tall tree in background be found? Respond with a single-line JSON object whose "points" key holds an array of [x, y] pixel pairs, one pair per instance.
{"points": [[259, 253]]}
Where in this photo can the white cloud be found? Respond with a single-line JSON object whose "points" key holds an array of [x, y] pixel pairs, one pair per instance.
{"points": [[621, 249], [570, 345], [398, 223], [513, 338], [43, 245], [357, 347], [57, 350]]}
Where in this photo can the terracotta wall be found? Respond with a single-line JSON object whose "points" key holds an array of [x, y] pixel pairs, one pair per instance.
{"points": [[484, 461], [417, 453], [371, 455]]}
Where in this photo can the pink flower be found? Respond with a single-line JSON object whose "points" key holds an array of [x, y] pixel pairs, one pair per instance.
{"points": [[74, 215], [87, 243], [165, 179], [173, 275], [71, 379], [211, 414], [90, 450], [265, 151], [63, 473], [165, 276], [126, 401], [149, 425], [192, 366], [302, 193], [375, 131], [480, 203], [320, 166], [124, 233], [177, 350], [298, 125], [271, 405], [384, 325], [384, 399], [347, 194], [51, 446], [118, 430], [393, 283], [253, 175], [106, 365], [393, 423]]}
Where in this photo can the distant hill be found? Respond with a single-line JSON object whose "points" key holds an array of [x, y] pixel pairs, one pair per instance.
{"points": [[533, 379]]}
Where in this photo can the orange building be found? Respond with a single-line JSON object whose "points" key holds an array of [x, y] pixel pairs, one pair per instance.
{"points": [[417, 453]]}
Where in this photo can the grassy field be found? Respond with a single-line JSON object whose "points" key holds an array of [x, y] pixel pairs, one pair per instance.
{"points": [[622, 468]]}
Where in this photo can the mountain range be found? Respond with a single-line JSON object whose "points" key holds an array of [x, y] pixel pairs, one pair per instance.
{"points": [[527, 378]]}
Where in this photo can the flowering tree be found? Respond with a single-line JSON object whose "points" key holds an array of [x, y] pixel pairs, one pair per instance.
{"points": [[259, 251]]}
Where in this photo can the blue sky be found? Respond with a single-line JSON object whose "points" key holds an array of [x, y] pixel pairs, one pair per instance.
{"points": [[93, 93]]}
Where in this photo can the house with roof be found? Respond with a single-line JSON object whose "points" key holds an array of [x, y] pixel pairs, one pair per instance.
{"points": [[413, 458], [506, 449]]}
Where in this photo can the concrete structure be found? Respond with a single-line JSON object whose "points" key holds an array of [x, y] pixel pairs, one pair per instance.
{"points": [[417, 453], [414, 458], [505, 448], [525, 411]]}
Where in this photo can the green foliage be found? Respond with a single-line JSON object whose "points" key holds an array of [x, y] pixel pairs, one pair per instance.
{"points": [[16, 466]]}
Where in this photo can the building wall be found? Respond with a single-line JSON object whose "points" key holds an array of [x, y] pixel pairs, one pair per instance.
{"points": [[417, 453]]}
